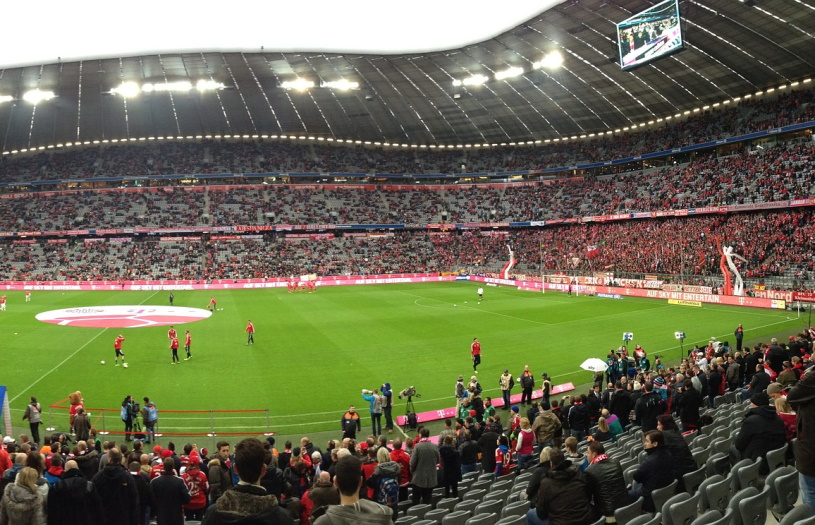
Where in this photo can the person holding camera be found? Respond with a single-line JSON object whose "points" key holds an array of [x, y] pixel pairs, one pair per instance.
{"points": [[375, 401], [129, 410]]}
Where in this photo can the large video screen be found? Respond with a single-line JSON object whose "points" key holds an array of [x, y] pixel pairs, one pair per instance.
{"points": [[650, 35]]}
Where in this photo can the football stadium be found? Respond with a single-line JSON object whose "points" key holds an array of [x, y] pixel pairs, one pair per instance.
{"points": [[548, 264]]}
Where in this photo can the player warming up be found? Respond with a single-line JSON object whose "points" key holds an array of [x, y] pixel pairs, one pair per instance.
{"points": [[475, 351], [212, 304], [3, 303], [117, 346], [174, 348], [28, 297], [171, 333], [250, 333], [480, 294], [187, 344]]}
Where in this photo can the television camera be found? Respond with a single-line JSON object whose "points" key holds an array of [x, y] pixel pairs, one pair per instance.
{"points": [[409, 392]]}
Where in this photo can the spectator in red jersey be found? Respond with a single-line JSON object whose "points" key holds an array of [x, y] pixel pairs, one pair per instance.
{"points": [[198, 487]]}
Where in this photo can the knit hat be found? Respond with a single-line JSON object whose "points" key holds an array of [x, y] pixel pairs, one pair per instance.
{"points": [[295, 451], [760, 399], [157, 449], [166, 453], [659, 381], [774, 388], [204, 452], [515, 408], [506, 370], [461, 378]]}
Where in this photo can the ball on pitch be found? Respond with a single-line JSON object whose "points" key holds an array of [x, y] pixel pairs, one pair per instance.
{"points": [[124, 365], [102, 363], [455, 305]]}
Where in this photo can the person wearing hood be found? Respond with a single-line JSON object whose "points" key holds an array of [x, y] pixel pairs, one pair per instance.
{"points": [[385, 481], [655, 472], [248, 500], [88, 460], [387, 406], [761, 431], [70, 502], [563, 497], [352, 510], [22, 502], [117, 489]]}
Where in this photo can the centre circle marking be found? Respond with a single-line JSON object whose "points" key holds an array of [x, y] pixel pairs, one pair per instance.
{"points": [[123, 316]]}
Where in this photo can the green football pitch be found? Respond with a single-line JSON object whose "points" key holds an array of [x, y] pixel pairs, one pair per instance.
{"points": [[315, 352]]}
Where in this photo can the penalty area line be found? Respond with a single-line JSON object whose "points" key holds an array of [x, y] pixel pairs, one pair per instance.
{"points": [[29, 387]]}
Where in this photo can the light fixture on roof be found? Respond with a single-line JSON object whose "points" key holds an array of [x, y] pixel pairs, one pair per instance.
{"points": [[509, 73], [35, 96], [181, 85], [552, 60], [208, 85], [127, 89], [474, 80], [300, 84], [342, 84]]}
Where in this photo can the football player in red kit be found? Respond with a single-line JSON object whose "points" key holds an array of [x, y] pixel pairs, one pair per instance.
{"points": [[117, 346], [174, 348], [475, 351], [250, 333], [171, 333], [187, 344]]}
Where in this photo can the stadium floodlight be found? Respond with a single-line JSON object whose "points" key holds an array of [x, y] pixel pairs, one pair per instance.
{"points": [[299, 84], [127, 89], [552, 60], [208, 85], [342, 84], [35, 96], [182, 85], [474, 80], [6, 98], [509, 73]]}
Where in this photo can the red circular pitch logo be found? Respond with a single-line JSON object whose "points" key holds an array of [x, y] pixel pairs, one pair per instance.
{"points": [[123, 316]]}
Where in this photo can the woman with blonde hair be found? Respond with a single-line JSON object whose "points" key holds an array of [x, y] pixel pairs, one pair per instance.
{"points": [[22, 502], [526, 443], [603, 433], [787, 415]]}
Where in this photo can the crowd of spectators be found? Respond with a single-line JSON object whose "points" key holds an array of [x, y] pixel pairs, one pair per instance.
{"points": [[661, 421], [682, 247], [780, 173], [208, 156]]}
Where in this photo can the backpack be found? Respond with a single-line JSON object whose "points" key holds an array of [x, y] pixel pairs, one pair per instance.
{"points": [[152, 413], [388, 492], [125, 412]]}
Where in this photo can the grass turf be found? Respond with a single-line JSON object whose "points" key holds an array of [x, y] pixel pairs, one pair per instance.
{"points": [[313, 353]]}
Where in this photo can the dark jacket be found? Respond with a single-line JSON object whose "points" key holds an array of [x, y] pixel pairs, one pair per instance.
{"points": [[145, 491], [273, 481], [88, 463], [423, 463], [802, 399], [680, 452], [620, 405], [450, 464], [761, 380], [689, 403], [762, 430], [120, 498], [579, 417], [564, 497], [655, 472], [488, 443], [247, 504], [73, 500], [648, 407], [535, 482], [171, 495], [220, 479], [469, 451], [607, 486]]}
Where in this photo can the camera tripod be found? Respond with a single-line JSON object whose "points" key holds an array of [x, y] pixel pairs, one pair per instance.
{"points": [[410, 410]]}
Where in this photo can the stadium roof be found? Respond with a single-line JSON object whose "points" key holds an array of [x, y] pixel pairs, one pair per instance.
{"points": [[733, 49]]}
